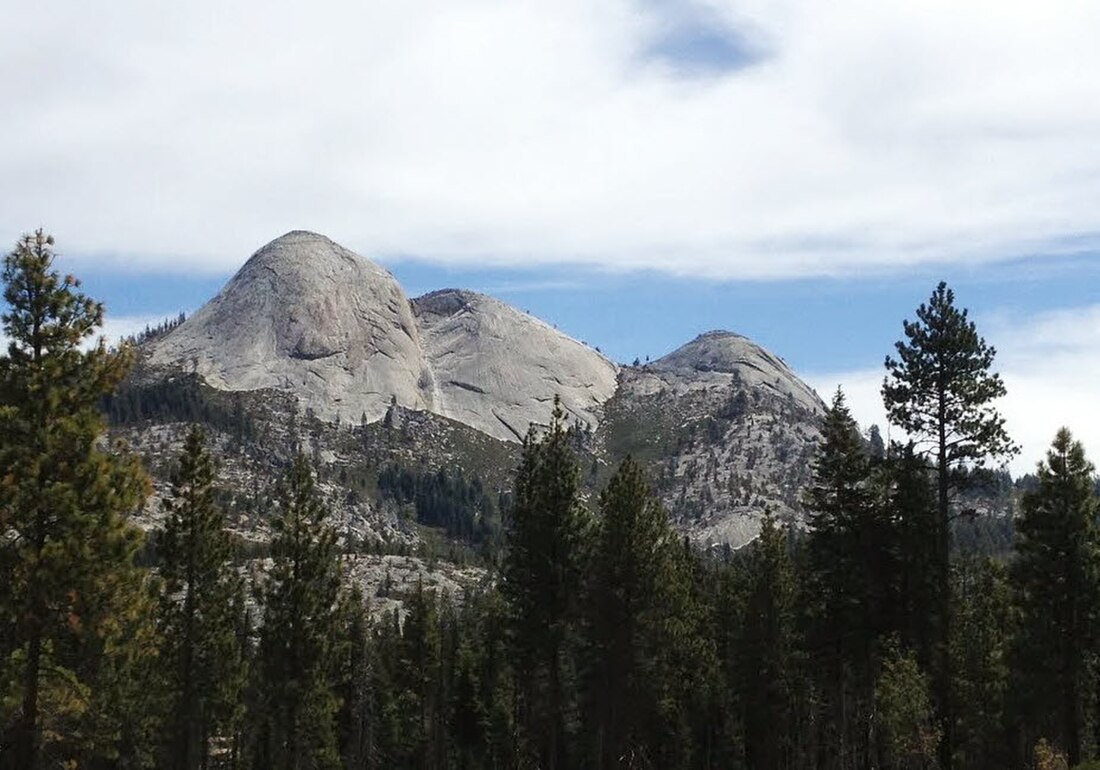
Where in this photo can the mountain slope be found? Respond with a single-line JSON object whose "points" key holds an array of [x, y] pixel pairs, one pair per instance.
{"points": [[498, 369], [450, 382], [306, 316], [726, 430]]}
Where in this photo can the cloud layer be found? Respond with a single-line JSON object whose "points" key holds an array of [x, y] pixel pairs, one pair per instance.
{"points": [[850, 136], [1050, 365]]}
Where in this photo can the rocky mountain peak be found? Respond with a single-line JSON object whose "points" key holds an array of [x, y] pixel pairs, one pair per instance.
{"points": [[307, 316], [729, 353], [498, 369], [725, 425], [304, 262]]}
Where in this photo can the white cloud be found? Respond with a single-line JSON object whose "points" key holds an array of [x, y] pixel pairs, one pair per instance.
{"points": [[1050, 364], [871, 134]]}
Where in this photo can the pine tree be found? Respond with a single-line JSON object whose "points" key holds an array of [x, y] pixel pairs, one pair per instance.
{"points": [[68, 589], [417, 678], [766, 653], [876, 447], [979, 649], [908, 734], [912, 506], [386, 736], [198, 614], [685, 668], [642, 631], [353, 681], [297, 706], [940, 391], [853, 574], [1056, 579], [484, 691], [541, 583]]}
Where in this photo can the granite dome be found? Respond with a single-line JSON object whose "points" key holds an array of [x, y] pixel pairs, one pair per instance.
{"points": [[308, 316]]}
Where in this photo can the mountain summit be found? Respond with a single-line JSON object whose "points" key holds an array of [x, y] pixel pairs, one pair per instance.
{"points": [[734, 354], [496, 367], [724, 428], [307, 316]]}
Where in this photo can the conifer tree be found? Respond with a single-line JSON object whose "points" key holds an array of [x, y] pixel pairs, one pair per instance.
{"points": [[1056, 580], [202, 655], [467, 710], [68, 590], [416, 679], [912, 506], [979, 648], [941, 391], [484, 690], [541, 583], [386, 735], [766, 653], [642, 629], [297, 705], [353, 681], [908, 735], [852, 581]]}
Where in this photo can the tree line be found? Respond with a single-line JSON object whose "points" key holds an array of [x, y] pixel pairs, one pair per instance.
{"points": [[602, 638]]}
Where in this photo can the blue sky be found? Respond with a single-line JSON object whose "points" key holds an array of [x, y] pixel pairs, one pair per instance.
{"points": [[634, 171], [817, 325]]}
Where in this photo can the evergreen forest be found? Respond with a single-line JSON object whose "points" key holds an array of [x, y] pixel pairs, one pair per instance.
{"points": [[869, 637]]}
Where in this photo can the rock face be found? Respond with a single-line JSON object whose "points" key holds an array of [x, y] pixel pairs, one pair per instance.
{"points": [[498, 369], [719, 356], [307, 316], [725, 429], [728, 432]]}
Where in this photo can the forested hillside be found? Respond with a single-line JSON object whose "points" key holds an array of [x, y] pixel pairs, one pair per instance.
{"points": [[592, 634]]}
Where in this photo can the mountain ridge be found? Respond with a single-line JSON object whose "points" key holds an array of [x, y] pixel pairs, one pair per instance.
{"points": [[308, 333], [308, 316]]}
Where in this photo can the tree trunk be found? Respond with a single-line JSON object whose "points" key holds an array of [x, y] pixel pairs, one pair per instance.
{"points": [[943, 653], [27, 755]]}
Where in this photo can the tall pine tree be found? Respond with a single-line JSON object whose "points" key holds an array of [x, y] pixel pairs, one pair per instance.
{"points": [[852, 580], [766, 654], [541, 582], [202, 654], [941, 391], [642, 632], [911, 502], [352, 674], [979, 648], [68, 588], [297, 705], [1056, 579]]}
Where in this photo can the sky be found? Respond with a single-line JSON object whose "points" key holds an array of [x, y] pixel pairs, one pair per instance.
{"points": [[634, 171]]}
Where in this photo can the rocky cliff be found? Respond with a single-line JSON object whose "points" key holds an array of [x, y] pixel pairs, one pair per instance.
{"points": [[306, 316], [308, 332]]}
